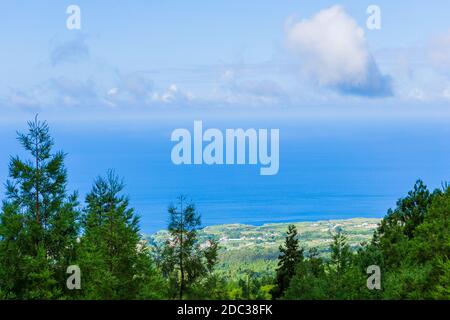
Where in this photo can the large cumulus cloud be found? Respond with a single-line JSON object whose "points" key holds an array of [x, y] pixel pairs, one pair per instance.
{"points": [[333, 51]]}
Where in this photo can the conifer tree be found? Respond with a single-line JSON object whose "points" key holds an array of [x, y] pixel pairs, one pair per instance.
{"points": [[114, 260], [38, 221], [341, 254], [409, 213], [290, 256], [184, 262], [340, 262]]}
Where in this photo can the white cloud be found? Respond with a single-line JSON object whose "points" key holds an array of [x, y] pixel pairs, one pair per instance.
{"points": [[333, 51], [172, 95], [112, 92]]}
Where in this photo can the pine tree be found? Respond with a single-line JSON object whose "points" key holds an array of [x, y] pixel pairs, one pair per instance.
{"points": [[114, 260], [339, 264], [400, 224], [341, 254], [410, 211], [183, 261], [38, 221], [290, 256]]}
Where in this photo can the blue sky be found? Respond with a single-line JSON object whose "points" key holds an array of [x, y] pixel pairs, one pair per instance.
{"points": [[141, 56]]}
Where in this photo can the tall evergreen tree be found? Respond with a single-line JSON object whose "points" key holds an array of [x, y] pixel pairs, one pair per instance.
{"points": [[341, 254], [409, 213], [38, 221], [290, 256], [184, 262], [114, 260], [400, 224]]}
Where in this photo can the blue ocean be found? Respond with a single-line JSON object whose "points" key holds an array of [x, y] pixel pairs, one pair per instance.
{"points": [[328, 169]]}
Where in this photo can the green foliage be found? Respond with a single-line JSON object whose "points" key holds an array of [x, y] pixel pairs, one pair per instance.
{"points": [[290, 256], [411, 246], [183, 261], [115, 261], [408, 282], [441, 290], [211, 287], [399, 224], [40, 233], [308, 281], [38, 221], [341, 255]]}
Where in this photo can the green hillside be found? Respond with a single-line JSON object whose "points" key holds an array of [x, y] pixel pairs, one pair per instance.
{"points": [[246, 248]]}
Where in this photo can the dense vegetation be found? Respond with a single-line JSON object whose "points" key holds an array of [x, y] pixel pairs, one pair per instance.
{"points": [[411, 247], [45, 231]]}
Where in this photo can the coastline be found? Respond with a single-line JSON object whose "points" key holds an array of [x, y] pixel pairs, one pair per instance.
{"points": [[279, 224]]}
